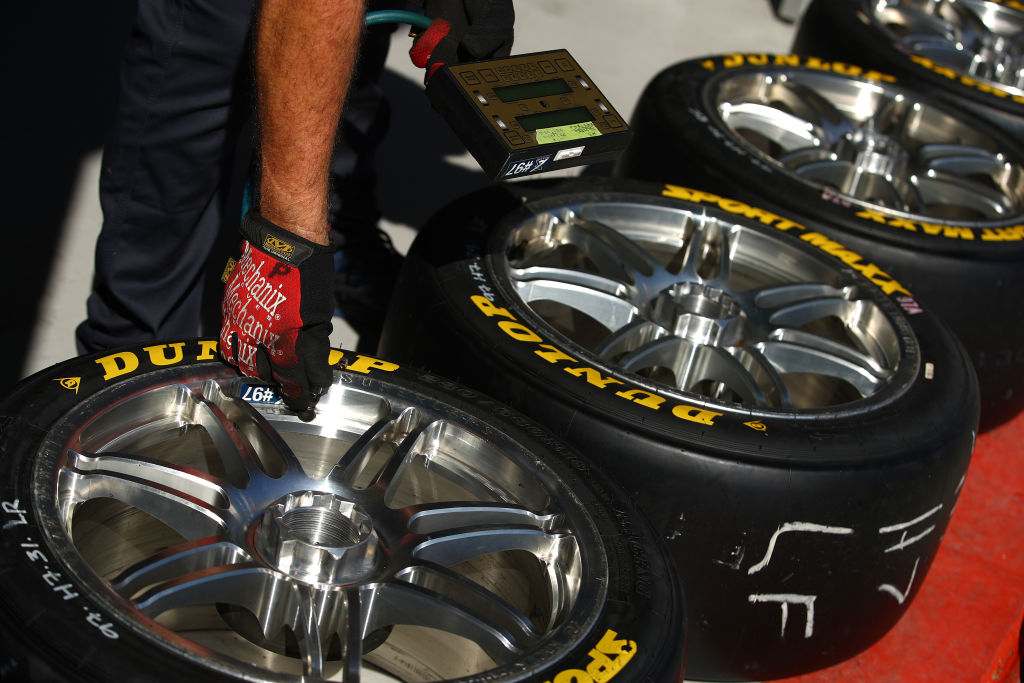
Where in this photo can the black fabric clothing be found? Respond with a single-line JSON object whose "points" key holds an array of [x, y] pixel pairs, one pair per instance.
{"points": [[177, 158]]}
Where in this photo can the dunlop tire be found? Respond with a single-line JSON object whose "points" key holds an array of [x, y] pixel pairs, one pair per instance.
{"points": [[722, 490], [46, 637], [973, 285]]}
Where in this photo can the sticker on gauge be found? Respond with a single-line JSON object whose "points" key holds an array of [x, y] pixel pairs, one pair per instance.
{"points": [[573, 131], [259, 393], [570, 153], [527, 166]]}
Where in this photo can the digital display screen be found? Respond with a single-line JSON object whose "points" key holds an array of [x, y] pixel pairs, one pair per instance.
{"points": [[524, 91], [553, 119]]}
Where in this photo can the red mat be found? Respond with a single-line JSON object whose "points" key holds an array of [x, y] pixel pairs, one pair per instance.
{"points": [[965, 623]]}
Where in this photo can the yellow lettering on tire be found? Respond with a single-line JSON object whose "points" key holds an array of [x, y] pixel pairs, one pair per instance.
{"points": [[644, 398], [519, 332], [117, 364], [698, 415], [488, 308], [365, 364], [158, 353], [593, 376], [208, 349]]}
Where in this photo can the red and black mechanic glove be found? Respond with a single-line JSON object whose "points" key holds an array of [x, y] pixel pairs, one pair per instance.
{"points": [[463, 31], [276, 312]]}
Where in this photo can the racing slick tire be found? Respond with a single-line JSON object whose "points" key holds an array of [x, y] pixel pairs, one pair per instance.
{"points": [[932, 194], [697, 355], [963, 52], [164, 518]]}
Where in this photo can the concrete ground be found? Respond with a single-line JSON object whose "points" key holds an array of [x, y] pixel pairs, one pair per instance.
{"points": [[65, 64]]}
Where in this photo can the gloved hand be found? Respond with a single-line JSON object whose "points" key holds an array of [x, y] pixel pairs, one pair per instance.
{"points": [[462, 31], [276, 312]]}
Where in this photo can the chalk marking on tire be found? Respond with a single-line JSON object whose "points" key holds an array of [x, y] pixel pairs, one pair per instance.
{"points": [[796, 526]]}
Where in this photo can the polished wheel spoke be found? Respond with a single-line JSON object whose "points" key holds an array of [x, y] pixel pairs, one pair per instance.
{"points": [[192, 503], [539, 279], [708, 256], [615, 256], [939, 189], [178, 560], [628, 338], [850, 179], [787, 130], [245, 584], [820, 359], [472, 598], [443, 517], [809, 104], [611, 310], [802, 156], [411, 604], [452, 547]]}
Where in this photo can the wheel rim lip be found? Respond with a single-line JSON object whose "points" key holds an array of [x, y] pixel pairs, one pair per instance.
{"points": [[859, 99], [574, 625], [989, 14], [502, 244]]}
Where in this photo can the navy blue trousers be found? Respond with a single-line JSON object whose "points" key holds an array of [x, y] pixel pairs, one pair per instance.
{"points": [[176, 160]]}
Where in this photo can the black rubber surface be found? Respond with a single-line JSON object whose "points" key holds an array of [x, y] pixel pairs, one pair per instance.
{"points": [[55, 627], [791, 530]]}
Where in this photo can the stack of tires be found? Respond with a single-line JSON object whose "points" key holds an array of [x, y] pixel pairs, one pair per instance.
{"points": [[749, 367]]}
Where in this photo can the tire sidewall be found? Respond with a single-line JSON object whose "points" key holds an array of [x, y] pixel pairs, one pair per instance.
{"points": [[680, 137], [58, 627], [717, 492], [842, 29]]}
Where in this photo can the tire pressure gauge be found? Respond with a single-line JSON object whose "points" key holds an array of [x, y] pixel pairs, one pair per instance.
{"points": [[528, 114]]}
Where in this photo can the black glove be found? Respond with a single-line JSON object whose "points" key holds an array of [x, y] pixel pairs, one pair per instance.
{"points": [[276, 312], [463, 31]]}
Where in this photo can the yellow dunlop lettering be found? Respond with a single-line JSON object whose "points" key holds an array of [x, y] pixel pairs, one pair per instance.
{"points": [[519, 332], [708, 64], [757, 60], [208, 349], [644, 398], [488, 308], [592, 376], [693, 414], [964, 79], [815, 63], [787, 60], [733, 60], [847, 69], [365, 364], [552, 354], [334, 356], [607, 659], [158, 354], [117, 364]]}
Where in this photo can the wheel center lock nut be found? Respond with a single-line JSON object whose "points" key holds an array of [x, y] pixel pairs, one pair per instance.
{"points": [[318, 538], [699, 313]]}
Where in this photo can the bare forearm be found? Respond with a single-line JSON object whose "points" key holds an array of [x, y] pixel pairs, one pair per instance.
{"points": [[305, 52]]}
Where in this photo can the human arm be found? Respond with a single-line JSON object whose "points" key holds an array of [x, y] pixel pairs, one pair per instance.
{"points": [[277, 303]]}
